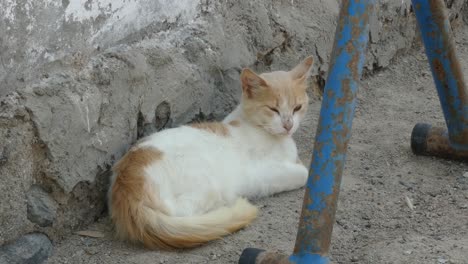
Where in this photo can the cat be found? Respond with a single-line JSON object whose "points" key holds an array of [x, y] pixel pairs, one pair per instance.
{"points": [[185, 186]]}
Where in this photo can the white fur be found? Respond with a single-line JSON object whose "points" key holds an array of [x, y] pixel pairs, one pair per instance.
{"points": [[201, 171]]}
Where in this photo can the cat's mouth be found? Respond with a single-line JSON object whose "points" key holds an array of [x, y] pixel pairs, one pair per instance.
{"points": [[285, 133], [275, 132]]}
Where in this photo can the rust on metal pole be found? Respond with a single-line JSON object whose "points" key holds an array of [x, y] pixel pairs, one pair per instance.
{"points": [[446, 70], [433, 141], [333, 133]]}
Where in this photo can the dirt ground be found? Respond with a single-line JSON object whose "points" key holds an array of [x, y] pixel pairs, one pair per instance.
{"points": [[374, 223]]}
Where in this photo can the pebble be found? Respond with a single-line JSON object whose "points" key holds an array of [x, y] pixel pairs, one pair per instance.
{"points": [[409, 186], [31, 248], [41, 208], [442, 260], [3, 156]]}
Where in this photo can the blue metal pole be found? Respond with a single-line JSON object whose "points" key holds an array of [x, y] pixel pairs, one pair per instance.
{"points": [[333, 133], [451, 87], [331, 140]]}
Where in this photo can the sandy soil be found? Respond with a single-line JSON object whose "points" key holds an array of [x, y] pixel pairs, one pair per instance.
{"points": [[374, 223]]}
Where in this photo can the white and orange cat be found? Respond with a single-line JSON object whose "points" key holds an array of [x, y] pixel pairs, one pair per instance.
{"points": [[185, 186]]}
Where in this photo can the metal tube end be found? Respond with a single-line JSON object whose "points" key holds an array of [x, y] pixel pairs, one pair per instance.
{"points": [[427, 140], [249, 255], [260, 256], [419, 138]]}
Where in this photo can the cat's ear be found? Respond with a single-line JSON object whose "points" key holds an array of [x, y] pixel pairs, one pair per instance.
{"points": [[302, 71], [251, 82]]}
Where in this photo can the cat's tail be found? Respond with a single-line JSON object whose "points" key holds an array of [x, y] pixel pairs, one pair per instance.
{"points": [[185, 232], [137, 217]]}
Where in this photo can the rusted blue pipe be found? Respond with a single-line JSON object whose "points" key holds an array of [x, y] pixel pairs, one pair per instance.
{"points": [[331, 140], [451, 87], [333, 133]]}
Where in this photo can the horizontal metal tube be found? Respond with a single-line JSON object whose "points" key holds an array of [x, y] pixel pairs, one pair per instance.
{"points": [[258, 256], [433, 141]]}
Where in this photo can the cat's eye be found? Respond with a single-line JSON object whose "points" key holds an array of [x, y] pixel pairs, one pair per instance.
{"points": [[297, 108], [274, 110]]}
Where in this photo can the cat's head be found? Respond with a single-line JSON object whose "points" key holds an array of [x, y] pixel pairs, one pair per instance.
{"points": [[276, 101]]}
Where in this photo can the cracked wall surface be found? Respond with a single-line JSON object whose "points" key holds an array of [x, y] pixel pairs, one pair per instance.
{"points": [[80, 81]]}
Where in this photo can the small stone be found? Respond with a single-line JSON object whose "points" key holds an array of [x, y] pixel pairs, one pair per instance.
{"points": [[91, 251], [354, 259], [41, 208], [31, 248], [21, 112], [408, 252], [465, 174], [441, 260], [3, 156], [409, 186], [162, 115], [39, 91]]}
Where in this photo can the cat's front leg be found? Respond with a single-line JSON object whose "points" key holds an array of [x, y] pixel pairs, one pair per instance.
{"points": [[274, 177], [295, 176]]}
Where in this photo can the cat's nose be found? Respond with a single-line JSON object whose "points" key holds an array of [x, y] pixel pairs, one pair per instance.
{"points": [[288, 125]]}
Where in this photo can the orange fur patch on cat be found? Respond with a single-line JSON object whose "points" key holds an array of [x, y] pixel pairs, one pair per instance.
{"points": [[130, 189], [213, 127], [235, 123], [140, 216]]}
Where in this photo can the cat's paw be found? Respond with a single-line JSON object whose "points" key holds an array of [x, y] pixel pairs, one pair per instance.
{"points": [[304, 174], [301, 174]]}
